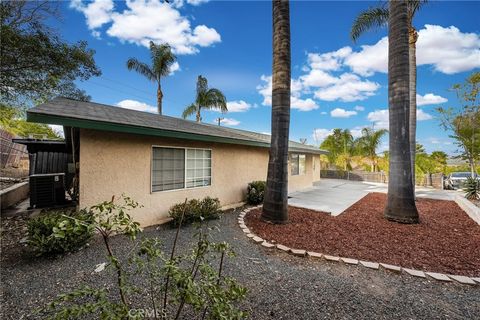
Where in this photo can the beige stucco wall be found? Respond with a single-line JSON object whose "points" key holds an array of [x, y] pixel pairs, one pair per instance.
{"points": [[116, 163]]}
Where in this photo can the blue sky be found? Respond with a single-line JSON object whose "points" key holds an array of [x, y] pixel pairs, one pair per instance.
{"points": [[336, 83]]}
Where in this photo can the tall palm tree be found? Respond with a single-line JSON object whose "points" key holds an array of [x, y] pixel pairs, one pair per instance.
{"points": [[275, 204], [377, 17], [368, 143], [401, 202], [162, 60], [207, 98], [340, 146]]}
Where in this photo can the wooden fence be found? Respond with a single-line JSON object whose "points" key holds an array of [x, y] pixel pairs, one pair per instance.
{"points": [[429, 180], [11, 153]]}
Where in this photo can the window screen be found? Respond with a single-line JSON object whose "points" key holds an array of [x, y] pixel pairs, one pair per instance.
{"points": [[168, 169], [297, 164], [199, 168]]}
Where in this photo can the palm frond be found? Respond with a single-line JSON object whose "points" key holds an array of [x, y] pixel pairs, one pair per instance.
{"points": [[162, 58], [142, 68], [202, 85], [215, 99], [369, 19], [190, 110]]}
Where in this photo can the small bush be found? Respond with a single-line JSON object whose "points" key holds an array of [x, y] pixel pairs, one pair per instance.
{"points": [[256, 192], [59, 232], [472, 189], [195, 211]]}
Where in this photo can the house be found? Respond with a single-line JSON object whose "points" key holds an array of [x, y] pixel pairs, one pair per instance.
{"points": [[159, 160]]}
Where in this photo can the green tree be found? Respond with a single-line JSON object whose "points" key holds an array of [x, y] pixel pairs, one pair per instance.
{"points": [[341, 147], [368, 143], [162, 60], [401, 195], [13, 121], [207, 98], [378, 17], [275, 204], [440, 160], [36, 64], [464, 122]]}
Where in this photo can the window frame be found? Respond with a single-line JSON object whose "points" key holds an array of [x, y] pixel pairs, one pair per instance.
{"points": [[300, 173], [185, 168]]}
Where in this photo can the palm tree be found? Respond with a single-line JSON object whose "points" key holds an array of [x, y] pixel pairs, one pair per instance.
{"points": [[162, 60], [368, 143], [275, 204], [401, 202], [207, 98], [377, 17], [340, 146]]}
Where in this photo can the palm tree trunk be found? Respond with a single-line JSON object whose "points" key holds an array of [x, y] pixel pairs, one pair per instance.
{"points": [[159, 98], [412, 53], [401, 203], [275, 206], [198, 117]]}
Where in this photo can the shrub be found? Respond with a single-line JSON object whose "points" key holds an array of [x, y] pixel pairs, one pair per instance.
{"points": [[195, 211], [472, 188], [59, 231], [255, 192]]}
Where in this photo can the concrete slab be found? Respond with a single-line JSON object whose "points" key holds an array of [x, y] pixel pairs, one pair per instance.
{"points": [[334, 196]]}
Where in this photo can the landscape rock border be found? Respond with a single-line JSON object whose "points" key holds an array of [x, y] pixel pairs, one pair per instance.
{"points": [[350, 261]]}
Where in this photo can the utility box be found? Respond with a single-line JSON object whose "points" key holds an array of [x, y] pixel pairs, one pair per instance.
{"points": [[47, 190]]}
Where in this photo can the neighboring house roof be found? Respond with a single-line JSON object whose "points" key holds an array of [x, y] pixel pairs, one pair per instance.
{"points": [[89, 115]]}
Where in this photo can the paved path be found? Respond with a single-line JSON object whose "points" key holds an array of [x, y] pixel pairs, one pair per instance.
{"points": [[335, 196]]}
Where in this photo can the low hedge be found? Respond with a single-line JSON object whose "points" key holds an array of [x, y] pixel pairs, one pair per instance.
{"points": [[256, 192], [195, 211], [59, 231]]}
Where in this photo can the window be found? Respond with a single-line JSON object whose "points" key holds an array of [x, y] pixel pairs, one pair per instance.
{"points": [[297, 164], [178, 168]]}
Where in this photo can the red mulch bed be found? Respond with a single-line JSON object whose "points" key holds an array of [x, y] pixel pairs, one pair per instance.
{"points": [[446, 240]]}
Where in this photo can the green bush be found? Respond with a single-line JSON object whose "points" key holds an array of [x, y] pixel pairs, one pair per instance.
{"points": [[256, 192], [59, 231], [472, 189], [195, 211]]}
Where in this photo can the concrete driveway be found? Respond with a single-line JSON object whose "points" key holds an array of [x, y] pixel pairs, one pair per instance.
{"points": [[335, 196]]}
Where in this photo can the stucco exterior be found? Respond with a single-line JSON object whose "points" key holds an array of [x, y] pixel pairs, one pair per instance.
{"points": [[116, 163]]}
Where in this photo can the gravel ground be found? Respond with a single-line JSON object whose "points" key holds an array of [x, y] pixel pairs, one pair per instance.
{"points": [[280, 286]]}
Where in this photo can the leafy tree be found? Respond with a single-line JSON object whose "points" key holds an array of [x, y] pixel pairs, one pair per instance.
{"points": [[36, 63], [162, 60], [275, 205], [207, 98], [341, 147], [401, 195], [440, 160], [13, 121], [464, 122], [368, 143], [378, 17]]}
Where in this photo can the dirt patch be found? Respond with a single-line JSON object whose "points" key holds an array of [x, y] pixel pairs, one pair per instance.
{"points": [[446, 240]]}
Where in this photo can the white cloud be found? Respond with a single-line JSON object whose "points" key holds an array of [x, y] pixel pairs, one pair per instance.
{"points": [[342, 113], [370, 59], [349, 87], [238, 106], [321, 134], [228, 121], [303, 104], [380, 117], [429, 98], [359, 108], [174, 67], [137, 105], [148, 20], [97, 12], [329, 61], [448, 50], [356, 132], [318, 78], [296, 102]]}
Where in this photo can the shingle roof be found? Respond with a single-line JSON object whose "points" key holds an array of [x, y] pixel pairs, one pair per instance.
{"points": [[68, 112]]}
